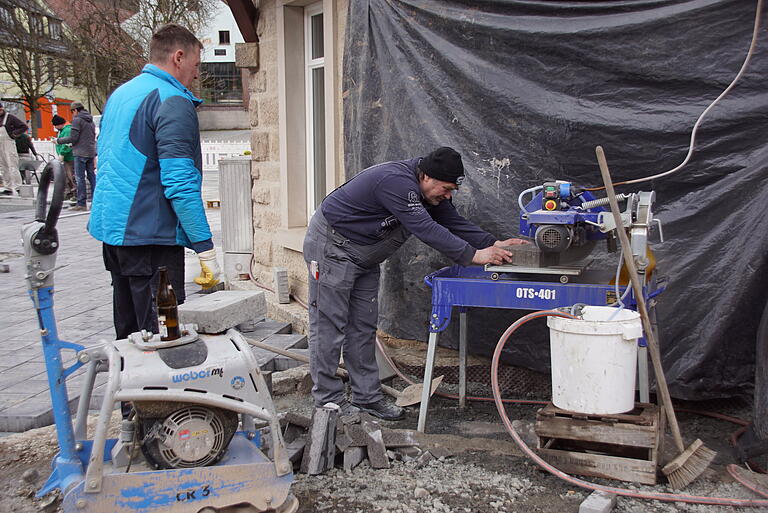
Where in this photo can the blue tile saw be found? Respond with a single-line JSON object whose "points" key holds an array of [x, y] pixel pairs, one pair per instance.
{"points": [[196, 401]]}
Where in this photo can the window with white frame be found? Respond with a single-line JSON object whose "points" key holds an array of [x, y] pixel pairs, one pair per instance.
{"points": [[308, 126], [314, 61]]}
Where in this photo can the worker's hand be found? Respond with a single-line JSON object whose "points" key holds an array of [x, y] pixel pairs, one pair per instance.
{"points": [[492, 255], [61, 158], [209, 269], [510, 242]]}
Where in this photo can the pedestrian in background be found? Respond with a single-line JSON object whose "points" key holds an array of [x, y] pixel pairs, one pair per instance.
{"points": [[82, 137], [148, 204], [64, 152], [10, 128], [28, 162]]}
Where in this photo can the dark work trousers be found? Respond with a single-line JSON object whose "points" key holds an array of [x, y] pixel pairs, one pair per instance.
{"points": [[343, 312], [134, 283]]}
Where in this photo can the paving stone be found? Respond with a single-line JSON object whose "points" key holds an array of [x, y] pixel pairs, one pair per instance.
{"points": [[292, 380], [295, 449], [391, 438], [319, 454], [295, 419], [222, 310], [377, 451], [32, 413], [353, 456], [266, 358], [266, 328], [281, 363], [598, 502], [287, 341]]}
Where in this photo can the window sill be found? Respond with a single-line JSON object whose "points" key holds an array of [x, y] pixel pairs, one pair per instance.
{"points": [[292, 238]]}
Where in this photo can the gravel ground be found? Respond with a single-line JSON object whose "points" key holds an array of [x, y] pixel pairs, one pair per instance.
{"points": [[481, 469]]}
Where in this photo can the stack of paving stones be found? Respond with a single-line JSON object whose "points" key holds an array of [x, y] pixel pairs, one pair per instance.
{"points": [[329, 439]]}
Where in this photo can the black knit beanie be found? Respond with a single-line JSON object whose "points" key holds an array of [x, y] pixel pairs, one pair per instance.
{"points": [[443, 164], [58, 120]]}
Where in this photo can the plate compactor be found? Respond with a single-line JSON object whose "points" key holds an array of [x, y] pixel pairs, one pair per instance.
{"points": [[195, 404]]}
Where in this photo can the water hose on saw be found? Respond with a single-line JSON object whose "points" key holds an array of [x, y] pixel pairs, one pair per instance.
{"points": [[625, 492]]}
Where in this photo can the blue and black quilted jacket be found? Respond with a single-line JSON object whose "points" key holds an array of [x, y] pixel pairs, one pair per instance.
{"points": [[150, 166]]}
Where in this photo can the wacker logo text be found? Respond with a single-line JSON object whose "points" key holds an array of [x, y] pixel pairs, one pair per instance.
{"points": [[198, 374]]}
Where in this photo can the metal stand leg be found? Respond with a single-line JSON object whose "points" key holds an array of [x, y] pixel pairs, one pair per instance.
{"points": [[462, 359], [642, 374], [427, 385]]}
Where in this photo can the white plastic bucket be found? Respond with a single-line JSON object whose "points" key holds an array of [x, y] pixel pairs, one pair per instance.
{"points": [[594, 360]]}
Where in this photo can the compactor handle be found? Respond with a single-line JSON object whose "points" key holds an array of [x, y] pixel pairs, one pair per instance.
{"points": [[46, 240]]}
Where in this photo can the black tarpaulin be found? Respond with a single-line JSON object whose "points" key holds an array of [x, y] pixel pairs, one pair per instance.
{"points": [[525, 90]]}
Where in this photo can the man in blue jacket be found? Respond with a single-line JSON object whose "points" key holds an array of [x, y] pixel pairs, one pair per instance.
{"points": [[147, 206], [358, 226]]}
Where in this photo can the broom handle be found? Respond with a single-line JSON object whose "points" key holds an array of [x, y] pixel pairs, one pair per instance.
{"points": [[341, 371], [637, 288]]}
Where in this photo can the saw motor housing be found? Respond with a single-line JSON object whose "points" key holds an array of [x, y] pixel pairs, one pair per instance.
{"points": [[557, 220]]}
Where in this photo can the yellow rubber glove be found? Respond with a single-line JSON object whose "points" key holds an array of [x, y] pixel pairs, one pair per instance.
{"points": [[209, 269]]}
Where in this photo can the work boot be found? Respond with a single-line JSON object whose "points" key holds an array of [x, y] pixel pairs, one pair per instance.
{"points": [[383, 409], [348, 409]]}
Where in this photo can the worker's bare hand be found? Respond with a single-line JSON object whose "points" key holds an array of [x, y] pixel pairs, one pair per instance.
{"points": [[510, 242], [492, 255]]}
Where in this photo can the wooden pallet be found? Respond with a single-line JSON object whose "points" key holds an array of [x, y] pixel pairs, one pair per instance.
{"points": [[624, 447]]}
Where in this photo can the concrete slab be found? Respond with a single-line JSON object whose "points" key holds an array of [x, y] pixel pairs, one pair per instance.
{"points": [[220, 311]]}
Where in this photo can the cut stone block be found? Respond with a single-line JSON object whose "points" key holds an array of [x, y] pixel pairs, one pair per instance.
{"points": [[288, 341], [377, 451], [353, 456], [295, 449], [598, 502], [296, 379], [222, 310], [266, 358], [281, 363], [264, 329], [320, 451], [296, 420]]}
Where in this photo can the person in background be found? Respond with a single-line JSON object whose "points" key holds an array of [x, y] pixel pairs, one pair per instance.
{"points": [[148, 205], [64, 152], [28, 162], [10, 128], [82, 137]]}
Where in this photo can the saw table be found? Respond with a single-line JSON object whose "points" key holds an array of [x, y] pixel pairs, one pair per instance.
{"points": [[466, 287]]}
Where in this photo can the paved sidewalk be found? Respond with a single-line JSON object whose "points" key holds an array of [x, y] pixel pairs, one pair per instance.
{"points": [[82, 305]]}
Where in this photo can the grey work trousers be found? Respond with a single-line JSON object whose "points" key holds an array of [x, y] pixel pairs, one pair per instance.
{"points": [[343, 312]]}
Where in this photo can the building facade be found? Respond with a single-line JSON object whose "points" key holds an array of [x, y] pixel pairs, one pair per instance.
{"points": [[222, 85], [294, 75], [35, 64]]}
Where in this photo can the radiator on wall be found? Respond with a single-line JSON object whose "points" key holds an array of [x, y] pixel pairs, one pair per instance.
{"points": [[236, 216]]}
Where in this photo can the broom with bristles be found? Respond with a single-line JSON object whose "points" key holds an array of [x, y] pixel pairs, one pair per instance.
{"points": [[694, 460]]}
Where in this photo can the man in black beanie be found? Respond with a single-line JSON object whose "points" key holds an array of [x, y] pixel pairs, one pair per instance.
{"points": [[358, 226]]}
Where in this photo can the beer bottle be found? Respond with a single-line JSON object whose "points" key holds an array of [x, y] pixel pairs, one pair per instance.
{"points": [[167, 308]]}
